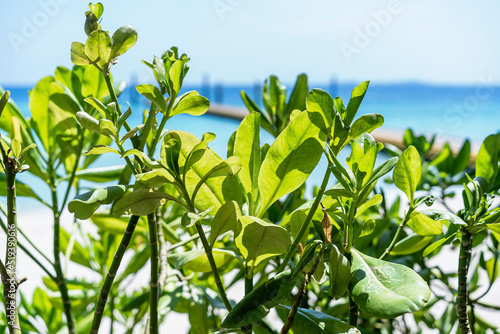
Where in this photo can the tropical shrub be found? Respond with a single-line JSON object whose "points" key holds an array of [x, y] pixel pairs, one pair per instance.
{"points": [[348, 259]]}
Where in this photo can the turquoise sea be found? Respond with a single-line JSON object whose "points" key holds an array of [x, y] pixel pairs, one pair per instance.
{"points": [[452, 112]]}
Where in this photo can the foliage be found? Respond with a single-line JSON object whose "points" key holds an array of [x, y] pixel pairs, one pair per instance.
{"points": [[342, 261]]}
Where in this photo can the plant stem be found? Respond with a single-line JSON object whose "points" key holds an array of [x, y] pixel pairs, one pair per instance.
{"points": [[463, 267], [153, 296], [353, 308], [106, 287], [248, 289], [60, 279], [213, 266], [162, 277], [396, 236], [10, 283], [300, 295], [309, 217]]}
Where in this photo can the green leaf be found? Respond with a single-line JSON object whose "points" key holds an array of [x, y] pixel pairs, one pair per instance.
{"points": [[84, 205], [197, 260], [386, 290], [290, 160], [424, 225], [153, 94], [255, 305], [16, 148], [492, 268], [225, 220], [411, 244], [366, 123], [141, 202], [97, 9], [320, 102], [53, 115], [216, 190], [87, 121], [376, 199], [463, 158], [100, 149], [258, 240], [407, 172], [78, 56], [154, 178], [131, 133], [98, 48], [382, 169], [298, 97], [440, 215], [487, 158], [191, 103], [114, 225], [191, 218], [437, 244], [253, 107], [340, 272], [313, 322], [357, 95], [123, 39], [98, 174], [247, 149]]}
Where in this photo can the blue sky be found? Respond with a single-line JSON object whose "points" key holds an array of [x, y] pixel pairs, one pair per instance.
{"points": [[243, 41]]}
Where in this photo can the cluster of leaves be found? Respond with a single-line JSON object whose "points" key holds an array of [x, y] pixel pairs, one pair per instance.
{"points": [[344, 261]]}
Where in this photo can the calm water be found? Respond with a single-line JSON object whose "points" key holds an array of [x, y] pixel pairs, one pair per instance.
{"points": [[472, 112]]}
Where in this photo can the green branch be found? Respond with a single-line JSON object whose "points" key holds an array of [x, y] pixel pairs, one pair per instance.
{"points": [[153, 296], [106, 287], [463, 267]]}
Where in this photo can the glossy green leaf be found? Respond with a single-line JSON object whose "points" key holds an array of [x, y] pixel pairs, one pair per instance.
{"points": [[290, 160], [154, 178], [87, 121], [365, 123], [190, 218], [78, 56], [191, 103], [197, 260], [123, 39], [141, 202], [309, 321], [424, 225], [411, 244], [357, 95], [258, 240], [98, 174], [407, 172], [84, 205], [131, 133], [375, 200], [320, 102], [225, 220], [255, 305], [440, 215], [247, 149], [253, 107], [52, 113], [216, 190], [153, 94], [298, 96], [437, 244], [386, 290], [100, 149], [463, 158], [340, 273], [114, 225], [98, 48], [487, 158]]}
